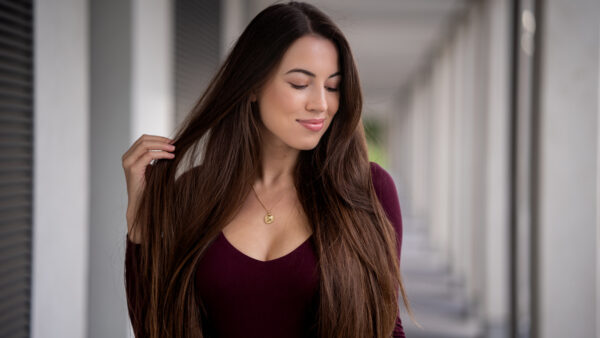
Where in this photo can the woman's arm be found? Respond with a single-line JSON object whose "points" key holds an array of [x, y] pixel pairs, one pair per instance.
{"points": [[385, 188]]}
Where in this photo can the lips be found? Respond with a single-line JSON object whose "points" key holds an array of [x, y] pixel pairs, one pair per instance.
{"points": [[312, 124], [315, 121]]}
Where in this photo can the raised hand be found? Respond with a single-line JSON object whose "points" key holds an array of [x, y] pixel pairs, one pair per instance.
{"points": [[142, 152]]}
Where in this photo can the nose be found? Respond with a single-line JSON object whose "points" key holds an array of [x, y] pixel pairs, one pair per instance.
{"points": [[317, 101]]}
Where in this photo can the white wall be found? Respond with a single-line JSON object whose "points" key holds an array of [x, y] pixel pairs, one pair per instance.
{"points": [[61, 170]]}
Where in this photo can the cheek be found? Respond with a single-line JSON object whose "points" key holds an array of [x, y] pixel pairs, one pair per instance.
{"points": [[280, 99], [333, 104], [277, 105]]}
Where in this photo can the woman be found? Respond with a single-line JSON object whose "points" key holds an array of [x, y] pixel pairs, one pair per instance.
{"points": [[263, 217]]}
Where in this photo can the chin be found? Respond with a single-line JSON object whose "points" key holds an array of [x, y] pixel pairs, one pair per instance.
{"points": [[308, 145]]}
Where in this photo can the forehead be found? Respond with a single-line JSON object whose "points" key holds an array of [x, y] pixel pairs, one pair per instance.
{"points": [[313, 53]]}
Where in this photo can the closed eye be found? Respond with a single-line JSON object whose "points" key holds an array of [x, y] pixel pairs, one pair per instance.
{"points": [[302, 87]]}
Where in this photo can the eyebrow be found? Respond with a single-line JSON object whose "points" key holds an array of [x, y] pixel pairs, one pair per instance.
{"points": [[304, 71]]}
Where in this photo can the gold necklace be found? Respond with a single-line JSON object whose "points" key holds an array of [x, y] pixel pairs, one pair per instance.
{"points": [[269, 218]]}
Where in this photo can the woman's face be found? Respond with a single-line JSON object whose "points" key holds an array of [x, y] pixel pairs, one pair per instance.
{"points": [[305, 87]]}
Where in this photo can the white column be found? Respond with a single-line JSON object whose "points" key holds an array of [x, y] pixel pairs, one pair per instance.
{"points": [[457, 158], [152, 87], [467, 142], [440, 138], [60, 178], [233, 21], [479, 116], [569, 173], [111, 97], [131, 95], [598, 197], [420, 145], [411, 163], [496, 286]]}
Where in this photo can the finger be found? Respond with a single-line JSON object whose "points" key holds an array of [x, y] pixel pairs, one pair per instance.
{"points": [[146, 158], [146, 137], [149, 138], [144, 147], [155, 138]]}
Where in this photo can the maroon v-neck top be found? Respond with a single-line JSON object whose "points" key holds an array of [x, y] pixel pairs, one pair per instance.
{"points": [[246, 297]]}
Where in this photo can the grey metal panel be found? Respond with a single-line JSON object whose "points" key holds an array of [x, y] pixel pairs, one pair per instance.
{"points": [[196, 51], [16, 163]]}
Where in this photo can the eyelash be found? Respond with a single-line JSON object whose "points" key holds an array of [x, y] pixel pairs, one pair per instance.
{"points": [[301, 87]]}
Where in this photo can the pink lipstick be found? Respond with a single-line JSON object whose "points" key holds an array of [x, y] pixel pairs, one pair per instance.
{"points": [[312, 124]]}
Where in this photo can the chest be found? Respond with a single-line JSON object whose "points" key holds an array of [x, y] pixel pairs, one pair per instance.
{"points": [[249, 234], [244, 295], [264, 277]]}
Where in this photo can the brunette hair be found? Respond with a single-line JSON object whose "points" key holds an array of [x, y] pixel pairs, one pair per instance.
{"points": [[187, 200]]}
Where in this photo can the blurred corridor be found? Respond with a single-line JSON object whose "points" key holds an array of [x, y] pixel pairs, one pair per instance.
{"points": [[485, 112]]}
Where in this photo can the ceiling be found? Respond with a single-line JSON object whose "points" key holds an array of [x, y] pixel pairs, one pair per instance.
{"points": [[389, 38]]}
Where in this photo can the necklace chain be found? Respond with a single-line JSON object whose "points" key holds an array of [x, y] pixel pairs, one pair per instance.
{"points": [[269, 218]]}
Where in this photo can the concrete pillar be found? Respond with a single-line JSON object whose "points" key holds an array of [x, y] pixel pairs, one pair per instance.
{"points": [[467, 143], [456, 119], [495, 292], [568, 178], [152, 102], [233, 22], [131, 95], [479, 117], [111, 123], [420, 134], [60, 178], [456, 160], [440, 137]]}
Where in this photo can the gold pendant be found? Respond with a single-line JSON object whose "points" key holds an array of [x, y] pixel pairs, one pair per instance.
{"points": [[269, 218]]}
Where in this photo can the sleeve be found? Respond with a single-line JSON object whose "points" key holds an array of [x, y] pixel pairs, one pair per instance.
{"points": [[135, 299], [385, 189]]}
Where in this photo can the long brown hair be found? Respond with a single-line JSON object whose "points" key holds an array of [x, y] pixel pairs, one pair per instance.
{"points": [[188, 200]]}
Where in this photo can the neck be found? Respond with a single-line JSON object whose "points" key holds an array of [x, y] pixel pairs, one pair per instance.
{"points": [[278, 162]]}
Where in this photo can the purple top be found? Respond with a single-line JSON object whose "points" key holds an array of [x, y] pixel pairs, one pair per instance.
{"points": [[246, 297]]}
